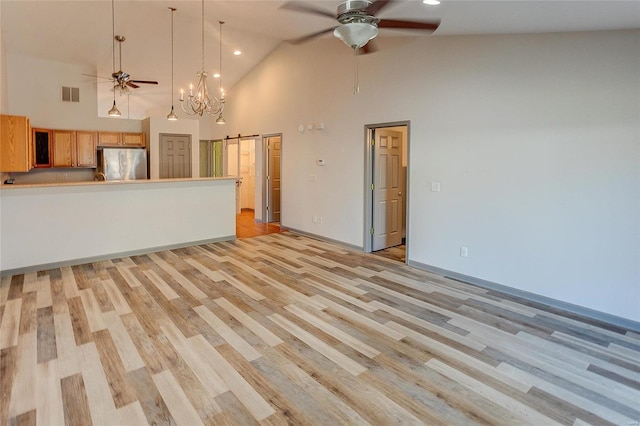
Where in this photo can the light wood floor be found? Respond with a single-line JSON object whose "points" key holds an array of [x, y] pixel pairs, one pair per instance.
{"points": [[247, 227], [285, 329]]}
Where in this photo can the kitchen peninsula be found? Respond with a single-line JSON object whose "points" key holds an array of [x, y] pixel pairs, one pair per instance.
{"points": [[47, 225]]}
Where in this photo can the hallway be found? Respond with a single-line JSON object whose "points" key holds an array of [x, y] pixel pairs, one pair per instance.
{"points": [[247, 227]]}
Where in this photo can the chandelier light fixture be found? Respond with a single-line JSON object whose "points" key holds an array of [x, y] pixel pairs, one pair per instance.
{"points": [[114, 111], [200, 101], [172, 115]]}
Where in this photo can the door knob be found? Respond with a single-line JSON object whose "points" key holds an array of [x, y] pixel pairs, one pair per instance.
{"points": [[399, 193]]}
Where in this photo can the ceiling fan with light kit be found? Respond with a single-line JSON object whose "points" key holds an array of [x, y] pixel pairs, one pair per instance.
{"points": [[358, 22], [121, 79]]}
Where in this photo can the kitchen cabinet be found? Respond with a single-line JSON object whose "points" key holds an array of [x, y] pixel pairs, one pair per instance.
{"points": [[133, 140], [74, 148], [108, 139], [15, 144], [86, 147], [41, 148], [111, 139], [63, 147]]}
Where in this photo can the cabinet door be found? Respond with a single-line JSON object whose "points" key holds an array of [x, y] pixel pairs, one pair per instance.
{"points": [[108, 138], [133, 139], [42, 147], [63, 143], [15, 144], [86, 145]]}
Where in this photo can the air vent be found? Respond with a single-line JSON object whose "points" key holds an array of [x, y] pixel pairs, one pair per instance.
{"points": [[70, 94]]}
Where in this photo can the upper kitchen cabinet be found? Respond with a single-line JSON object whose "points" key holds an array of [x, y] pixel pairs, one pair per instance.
{"points": [[63, 148], [133, 140], [121, 140], [108, 139], [15, 144], [86, 146], [42, 147], [74, 148]]}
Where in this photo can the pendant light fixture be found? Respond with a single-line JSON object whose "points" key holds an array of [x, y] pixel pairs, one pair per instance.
{"points": [[200, 102], [114, 111], [172, 115]]}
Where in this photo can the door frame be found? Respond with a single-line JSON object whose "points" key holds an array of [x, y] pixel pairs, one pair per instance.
{"points": [[265, 183], [369, 181]]}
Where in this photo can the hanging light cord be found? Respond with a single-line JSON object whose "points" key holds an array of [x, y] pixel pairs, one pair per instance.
{"points": [[356, 85], [220, 85], [202, 35], [173, 9], [113, 35]]}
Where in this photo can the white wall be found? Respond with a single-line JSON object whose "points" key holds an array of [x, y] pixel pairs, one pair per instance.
{"points": [[35, 87], [535, 140], [154, 126], [43, 225]]}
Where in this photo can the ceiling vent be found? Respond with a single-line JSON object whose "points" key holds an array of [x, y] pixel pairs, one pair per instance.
{"points": [[70, 94]]}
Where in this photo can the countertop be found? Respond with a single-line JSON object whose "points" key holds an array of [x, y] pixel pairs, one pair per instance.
{"points": [[115, 182]]}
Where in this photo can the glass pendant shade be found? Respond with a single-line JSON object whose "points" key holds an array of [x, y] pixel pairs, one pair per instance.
{"points": [[172, 115], [114, 111], [356, 34], [220, 119]]}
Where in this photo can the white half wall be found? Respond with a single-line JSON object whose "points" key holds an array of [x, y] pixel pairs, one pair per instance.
{"points": [[45, 225], [535, 140]]}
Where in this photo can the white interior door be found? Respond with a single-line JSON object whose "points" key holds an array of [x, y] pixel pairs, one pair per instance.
{"points": [[248, 173], [387, 190], [231, 165]]}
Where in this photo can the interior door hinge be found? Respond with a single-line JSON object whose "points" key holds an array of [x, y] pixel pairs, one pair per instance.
{"points": [[373, 142], [373, 186], [371, 231], [267, 208]]}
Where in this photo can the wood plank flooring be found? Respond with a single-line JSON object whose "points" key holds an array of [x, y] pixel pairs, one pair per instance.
{"points": [[247, 227], [284, 329]]}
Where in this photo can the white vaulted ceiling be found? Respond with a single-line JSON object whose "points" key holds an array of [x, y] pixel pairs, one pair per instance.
{"points": [[80, 32]]}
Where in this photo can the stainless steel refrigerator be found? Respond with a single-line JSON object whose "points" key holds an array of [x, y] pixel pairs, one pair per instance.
{"points": [[121, 164]]}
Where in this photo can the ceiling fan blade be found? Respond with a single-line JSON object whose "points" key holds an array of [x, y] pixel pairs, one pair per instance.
{"points": [[368, 48], [377, 6], [309, 37], [410, 25], [306, 8], [143, 81], [98, 76], [130, 84]]}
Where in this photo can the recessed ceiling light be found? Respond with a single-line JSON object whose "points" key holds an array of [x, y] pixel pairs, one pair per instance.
{"points": [[237, 52], [431, 2], [216, 75]]}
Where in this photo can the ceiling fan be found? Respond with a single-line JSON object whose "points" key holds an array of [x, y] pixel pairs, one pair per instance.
{"points": [[121, 79], [358, 22]]}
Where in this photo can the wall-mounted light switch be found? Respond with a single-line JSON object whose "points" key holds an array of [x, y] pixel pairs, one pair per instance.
{"points": [[435, 186]]}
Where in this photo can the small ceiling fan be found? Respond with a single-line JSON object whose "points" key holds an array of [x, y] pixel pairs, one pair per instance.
{"points": [[358, 22], [121, 79]]}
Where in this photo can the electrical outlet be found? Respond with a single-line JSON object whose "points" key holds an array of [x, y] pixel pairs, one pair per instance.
{"points": [[464, 251], [314, 219], [320, 220]]}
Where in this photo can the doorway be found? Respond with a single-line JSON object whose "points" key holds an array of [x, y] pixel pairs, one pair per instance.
{"points": [[271, 187], [210, 158], [175, 156], [386, 201]]}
